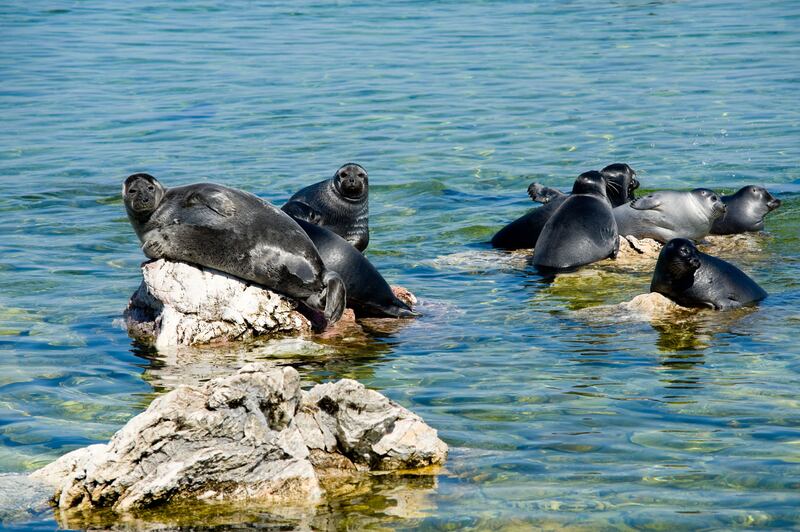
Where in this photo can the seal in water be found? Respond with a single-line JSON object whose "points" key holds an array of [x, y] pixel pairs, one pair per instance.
{"points": [[340, 204], [233, 232], [522, 233], [670, 214], [745, 211], [581, 231], [694, 279], [621, 184], [368, 293]]}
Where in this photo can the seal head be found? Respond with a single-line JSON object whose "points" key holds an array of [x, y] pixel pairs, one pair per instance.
{"points": [[340, 204], [621, 183], [745, 211]]}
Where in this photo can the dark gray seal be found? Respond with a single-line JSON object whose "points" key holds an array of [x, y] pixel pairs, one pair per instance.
{"points": [[694, 279], [233, 232], [368, 293], [340, 204], [621, 183], [581, 231], [522, 233], [669, 214], [745, 211]]}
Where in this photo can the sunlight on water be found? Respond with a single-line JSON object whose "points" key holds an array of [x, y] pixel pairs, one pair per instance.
{"points": [[557, 416]]}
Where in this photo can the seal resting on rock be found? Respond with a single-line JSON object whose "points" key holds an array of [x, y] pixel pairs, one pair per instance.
{"points": [[581, 231], [368, 293], [340, 204], [745, 211], [670, 214], [522, 233], [694, 279], [233, 232]]}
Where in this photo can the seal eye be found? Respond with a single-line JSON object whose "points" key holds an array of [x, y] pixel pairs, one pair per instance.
{"points": [[362, 175], [131, 191], [151, 188]]}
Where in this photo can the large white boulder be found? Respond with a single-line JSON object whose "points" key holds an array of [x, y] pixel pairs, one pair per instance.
{"points": [[254, 435], [183, 304]]}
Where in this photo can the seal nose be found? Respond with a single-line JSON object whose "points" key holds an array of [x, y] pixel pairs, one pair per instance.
{"points": [[695, 262], [774, 204]]}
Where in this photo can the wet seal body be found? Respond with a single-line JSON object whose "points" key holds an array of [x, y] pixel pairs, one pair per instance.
{"points": [[581, 231], [745, 211], [340, 204], [368, 293], [694, 279], [233, 232], [522, 233], [670, 214]]}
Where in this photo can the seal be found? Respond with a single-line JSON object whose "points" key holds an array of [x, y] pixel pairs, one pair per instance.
{"points": [[523, 232], [368, 293], [694, 279], [233, 232], [621, 183], [745, 211], [340, 204], [581, 231], [670, 214]]}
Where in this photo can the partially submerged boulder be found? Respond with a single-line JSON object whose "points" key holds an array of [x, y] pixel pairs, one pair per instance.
{"points": [[183, 304], [254, 435]]}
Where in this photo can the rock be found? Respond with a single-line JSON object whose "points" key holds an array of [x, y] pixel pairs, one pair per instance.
{"points": [[652, 305], [254, 435], [632, 249], [183, 304]]}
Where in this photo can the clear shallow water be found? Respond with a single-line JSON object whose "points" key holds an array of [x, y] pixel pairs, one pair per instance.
{"points": [[555, 416]]}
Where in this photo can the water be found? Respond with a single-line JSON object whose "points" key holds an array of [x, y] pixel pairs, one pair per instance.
{"points": [[556, 417]]}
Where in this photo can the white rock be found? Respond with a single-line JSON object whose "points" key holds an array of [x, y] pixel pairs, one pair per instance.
{"points": [[254, 435], [182, 304]]}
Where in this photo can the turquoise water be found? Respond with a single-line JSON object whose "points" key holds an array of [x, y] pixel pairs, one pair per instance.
{"points": [[556, 416]]}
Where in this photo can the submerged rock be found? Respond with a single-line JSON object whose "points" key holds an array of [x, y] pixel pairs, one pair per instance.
{"points": [[254, 435]]}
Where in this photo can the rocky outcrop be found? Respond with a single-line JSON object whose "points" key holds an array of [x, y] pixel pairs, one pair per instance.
{"points": [[183, 304], [254, 435], [634, 249]]}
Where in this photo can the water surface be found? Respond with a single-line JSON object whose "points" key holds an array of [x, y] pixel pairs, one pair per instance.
{"points": [[555, 417]]}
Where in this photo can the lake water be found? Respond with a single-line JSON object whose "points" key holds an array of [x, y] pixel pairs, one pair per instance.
{"points": [[555, 416]]}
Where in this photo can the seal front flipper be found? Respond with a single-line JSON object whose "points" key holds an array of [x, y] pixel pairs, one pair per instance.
{"points": [[542, 194], [302, 211], [332, 299], [212, 199], [395, 309], [646, 203]]}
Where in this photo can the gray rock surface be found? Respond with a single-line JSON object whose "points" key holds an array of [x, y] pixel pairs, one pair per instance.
{"points": [[183, 304], [254, 435]]}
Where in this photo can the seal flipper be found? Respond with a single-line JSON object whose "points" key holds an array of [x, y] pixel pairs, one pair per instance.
{"points": [[645, 203], [335, 295], [212, 199], [542, 194], [394, 309]]}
